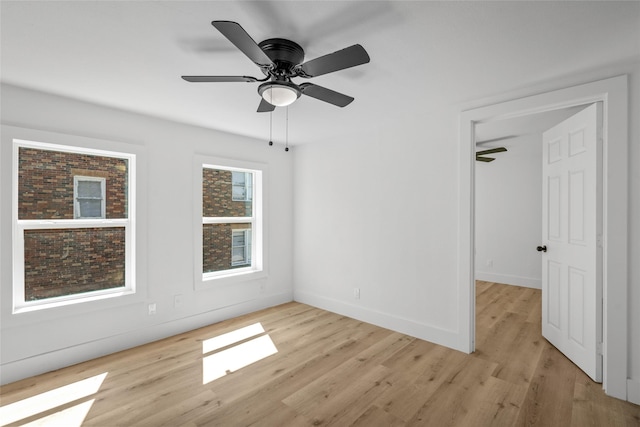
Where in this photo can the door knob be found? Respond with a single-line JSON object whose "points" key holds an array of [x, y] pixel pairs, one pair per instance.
{"points": [[542, 248]]}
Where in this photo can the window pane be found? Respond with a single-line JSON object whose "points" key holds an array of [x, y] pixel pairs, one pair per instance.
{"points": [[90, 189], [238, 239], [61, 262], [239, 193], [219, 247], [46, 188], [90, 208], [219, 195], [237, 255], [238, 178]]}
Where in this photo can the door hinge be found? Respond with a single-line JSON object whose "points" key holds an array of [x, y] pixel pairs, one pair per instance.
{"points": [[599, 241], [599, 348]]}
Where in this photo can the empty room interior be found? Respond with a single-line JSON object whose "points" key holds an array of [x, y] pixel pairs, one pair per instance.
{"points": [[298, 213]]}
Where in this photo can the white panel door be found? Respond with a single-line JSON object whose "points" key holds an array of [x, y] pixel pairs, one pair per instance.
{"points": [[572, 239]]}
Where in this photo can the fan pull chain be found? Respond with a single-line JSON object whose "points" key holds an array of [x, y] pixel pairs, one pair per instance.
{"points": [[270, 128], [286, 148]]}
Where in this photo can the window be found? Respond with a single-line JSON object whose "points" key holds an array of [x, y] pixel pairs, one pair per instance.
{"points": [[230, 239], [241, 183], [89, 197], [240, 247], [73, 238]]}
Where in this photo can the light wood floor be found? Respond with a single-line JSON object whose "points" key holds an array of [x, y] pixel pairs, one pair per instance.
{"points": [[332, 370]]}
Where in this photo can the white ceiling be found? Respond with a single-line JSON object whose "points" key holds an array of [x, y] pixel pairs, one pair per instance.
{"points": [[424, 55], [495, 133]]}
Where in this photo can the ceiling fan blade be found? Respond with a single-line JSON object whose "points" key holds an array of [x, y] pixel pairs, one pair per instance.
{"points": [[340, 60], [243, 41], [217, 79], [484, 159], [326, 95], [491, 151], [265, 107]]}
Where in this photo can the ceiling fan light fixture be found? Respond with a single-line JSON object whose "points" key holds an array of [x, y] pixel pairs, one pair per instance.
{"points": [[278, 93]]}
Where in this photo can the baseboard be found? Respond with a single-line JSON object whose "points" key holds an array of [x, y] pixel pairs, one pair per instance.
{"points": [[410, 327], [508, 279], [633, 391], [25, 368]]}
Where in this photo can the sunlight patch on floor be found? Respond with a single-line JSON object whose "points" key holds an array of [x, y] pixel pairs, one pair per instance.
{"points": [[236, 356], [69, 417]]}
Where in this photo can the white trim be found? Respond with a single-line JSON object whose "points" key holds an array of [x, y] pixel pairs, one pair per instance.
{"points": [[400, 324], [613, 93], [19, 305]]}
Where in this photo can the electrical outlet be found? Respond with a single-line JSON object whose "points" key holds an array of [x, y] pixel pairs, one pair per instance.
{"points": [[152, 308], [177, 301], [489, 263], [356, 293]]}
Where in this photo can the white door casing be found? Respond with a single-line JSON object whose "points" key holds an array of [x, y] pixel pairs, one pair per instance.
{"points": [[572, 234], [614, 94]]}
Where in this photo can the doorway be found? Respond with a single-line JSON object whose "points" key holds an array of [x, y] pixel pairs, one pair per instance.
{"points": [[613, 93], [510, 206]]}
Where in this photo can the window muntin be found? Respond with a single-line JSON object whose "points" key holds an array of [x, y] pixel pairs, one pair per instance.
{"points": [[231, 221], [65, 252]]}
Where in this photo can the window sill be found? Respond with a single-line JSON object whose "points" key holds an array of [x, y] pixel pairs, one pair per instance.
{"points": [[211, 281], [62, 301]]}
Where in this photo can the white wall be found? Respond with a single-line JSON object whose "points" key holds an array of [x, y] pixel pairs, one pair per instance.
{"points": [[381, 215], [40, 341], [509, 213]]}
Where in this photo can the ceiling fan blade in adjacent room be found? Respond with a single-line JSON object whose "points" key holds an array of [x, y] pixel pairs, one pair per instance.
{"points": [[326, 95], [340, 60], [218, 79], [491, 151], [484, 159], [265, 107], [243, 41]]}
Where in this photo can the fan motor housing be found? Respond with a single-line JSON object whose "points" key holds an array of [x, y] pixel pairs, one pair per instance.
{"points": [[284, 53]]}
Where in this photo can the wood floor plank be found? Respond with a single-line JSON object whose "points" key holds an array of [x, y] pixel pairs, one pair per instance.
{"points": [[419, 380], [376, 417], [333, 370], [515, 345], [549, 399], [450, 402], [592, 408], [351, 372]]}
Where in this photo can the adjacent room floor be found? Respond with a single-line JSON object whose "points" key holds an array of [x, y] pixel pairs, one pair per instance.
{"points": [[295, 365]]}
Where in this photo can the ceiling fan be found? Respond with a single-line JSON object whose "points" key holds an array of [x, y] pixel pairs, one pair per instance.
{"points": [[480, 154], [280, 60]]}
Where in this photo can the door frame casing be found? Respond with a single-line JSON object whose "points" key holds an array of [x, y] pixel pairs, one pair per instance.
{"points": [[613, 94]]}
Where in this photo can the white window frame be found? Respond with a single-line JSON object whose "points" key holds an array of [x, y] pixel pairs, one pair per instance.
{"points": [[22, 225], [77, 211], [257, 220]]}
